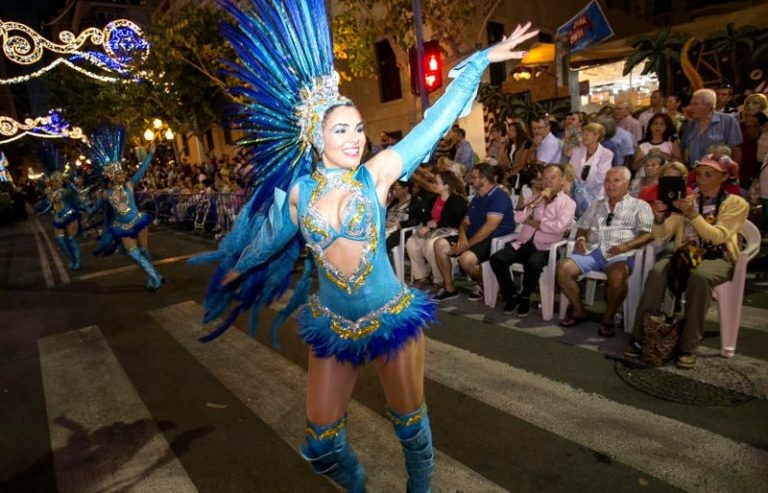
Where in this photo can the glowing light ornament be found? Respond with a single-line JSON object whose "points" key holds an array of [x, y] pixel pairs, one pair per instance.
{"points": [[122, 42], [4, 175], [51, 126]]}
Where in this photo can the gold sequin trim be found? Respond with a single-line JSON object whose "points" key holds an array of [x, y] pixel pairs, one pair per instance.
{"points": [[354, 330], [327, 434], [410, 421]]}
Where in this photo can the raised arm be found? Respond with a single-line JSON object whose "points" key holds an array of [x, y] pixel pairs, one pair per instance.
{"points": [[136, 178], [401, 160]]}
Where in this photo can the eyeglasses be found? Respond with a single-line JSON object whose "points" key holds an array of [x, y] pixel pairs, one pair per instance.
{"points": [[609, 219]]}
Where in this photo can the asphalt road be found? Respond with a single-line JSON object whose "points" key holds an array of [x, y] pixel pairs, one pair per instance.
{"points": [[103, 387]]}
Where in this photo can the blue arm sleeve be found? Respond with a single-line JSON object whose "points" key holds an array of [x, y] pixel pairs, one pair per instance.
{"points": [[456, 102], [276, 230], [136, 178]]}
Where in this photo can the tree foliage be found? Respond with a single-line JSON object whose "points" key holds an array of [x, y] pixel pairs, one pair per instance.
{"points": [[358, 24], [659, 53], [179, 80], [521, 107]]}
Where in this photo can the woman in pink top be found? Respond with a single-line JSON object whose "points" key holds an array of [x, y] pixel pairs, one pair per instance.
{"points": [[448, 211]]}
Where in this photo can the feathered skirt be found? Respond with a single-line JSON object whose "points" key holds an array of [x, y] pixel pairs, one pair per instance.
{"points": [[64, 217], [382, 332], [122, 226]]}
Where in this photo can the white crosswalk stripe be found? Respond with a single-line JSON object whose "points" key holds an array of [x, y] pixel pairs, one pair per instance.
{"points": [[275, 389], [103, 437], [88, 457]]}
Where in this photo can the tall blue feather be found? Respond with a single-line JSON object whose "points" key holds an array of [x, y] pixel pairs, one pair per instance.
{"points": [[282, 46]]}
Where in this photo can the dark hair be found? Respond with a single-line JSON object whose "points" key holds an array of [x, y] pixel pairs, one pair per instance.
{"points": [[521, 134], [530, 172], [500, 127], [538, 117], [450, 179], [487, 171], [459, 131], [669, 131]]}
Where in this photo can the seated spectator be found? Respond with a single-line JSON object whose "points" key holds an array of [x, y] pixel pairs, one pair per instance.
{"points": [[715, 220], [660, 135], [531, 182], [545, 147], [495, 154], [732, 184], [572, 132], [517, 139], [446, 215], [652, 163], [446, 164], [672, 168], [489, 215], [575, 190], [545, 218], [619, 224], [591, 160], [397, 210]]}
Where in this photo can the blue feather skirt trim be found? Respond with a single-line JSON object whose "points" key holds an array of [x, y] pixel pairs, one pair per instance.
{"points": [[65, 217], [382, 333], [130, 228]]}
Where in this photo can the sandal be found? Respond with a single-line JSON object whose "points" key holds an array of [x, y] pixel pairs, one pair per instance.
{"points": [[607, 330], [571, 321]]}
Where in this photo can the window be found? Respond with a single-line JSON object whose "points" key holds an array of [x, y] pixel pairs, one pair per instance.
{"points": [[389, 75]]}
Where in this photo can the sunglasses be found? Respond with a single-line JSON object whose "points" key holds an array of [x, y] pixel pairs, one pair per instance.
{"points": [[609, 219]]}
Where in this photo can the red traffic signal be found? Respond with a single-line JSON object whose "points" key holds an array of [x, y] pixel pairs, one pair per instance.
{"points": [[433, 68]]}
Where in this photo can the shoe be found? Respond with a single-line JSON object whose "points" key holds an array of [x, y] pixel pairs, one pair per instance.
{"points": [[686, 361], [524, 308], [476, 294], [607, 330], [509, 306], [444, 294], [634, 350]]}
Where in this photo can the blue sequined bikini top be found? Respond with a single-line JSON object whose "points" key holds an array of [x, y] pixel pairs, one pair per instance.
{"points": [[356, 213], [358, 223]]}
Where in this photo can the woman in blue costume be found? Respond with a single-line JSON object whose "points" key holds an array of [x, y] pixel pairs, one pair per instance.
{"points": [[125, 222], [62, 202], [362, 312]]}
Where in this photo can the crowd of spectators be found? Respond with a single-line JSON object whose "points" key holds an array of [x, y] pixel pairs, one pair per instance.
{"points": [[544, 166]]}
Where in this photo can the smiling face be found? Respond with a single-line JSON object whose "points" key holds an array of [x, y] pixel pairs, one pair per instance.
{"points": [[343, 138]]}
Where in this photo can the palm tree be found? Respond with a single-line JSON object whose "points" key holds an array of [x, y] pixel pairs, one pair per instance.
{"points": [[729, 41], [658, 53]]}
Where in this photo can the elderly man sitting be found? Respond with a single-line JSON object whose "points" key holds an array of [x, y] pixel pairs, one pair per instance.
{"points": [[545, 219], [619, 225]]}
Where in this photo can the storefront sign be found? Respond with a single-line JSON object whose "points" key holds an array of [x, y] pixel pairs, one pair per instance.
{"points": [[587, 28]]}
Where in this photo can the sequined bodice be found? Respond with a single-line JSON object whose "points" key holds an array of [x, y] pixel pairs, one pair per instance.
{"points": [[357, 223], [121, 200]]}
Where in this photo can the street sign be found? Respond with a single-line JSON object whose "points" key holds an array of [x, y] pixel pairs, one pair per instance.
{"points": [[587, 28]]}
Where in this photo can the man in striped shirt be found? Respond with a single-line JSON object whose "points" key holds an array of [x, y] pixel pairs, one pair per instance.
{"points": [[609, 233]]}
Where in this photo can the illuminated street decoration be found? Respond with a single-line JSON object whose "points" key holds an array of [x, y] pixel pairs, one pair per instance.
{"points": [[122, 42], [4, 175], [51, 126]]}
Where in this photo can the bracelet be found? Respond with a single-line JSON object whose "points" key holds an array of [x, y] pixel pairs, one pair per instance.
{"points": [[581, 238]]}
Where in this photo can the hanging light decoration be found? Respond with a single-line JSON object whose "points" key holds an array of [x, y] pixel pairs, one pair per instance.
{"points": [[51, 126], [122, 42]]}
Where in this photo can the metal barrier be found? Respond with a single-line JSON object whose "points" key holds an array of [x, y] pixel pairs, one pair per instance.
{"points": [[202, 212]]}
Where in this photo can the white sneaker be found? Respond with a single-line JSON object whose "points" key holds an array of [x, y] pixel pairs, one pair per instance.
{"points": [[476, 294]]}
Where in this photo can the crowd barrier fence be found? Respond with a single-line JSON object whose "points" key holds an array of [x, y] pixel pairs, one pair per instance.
{"points": [[203, 211]]}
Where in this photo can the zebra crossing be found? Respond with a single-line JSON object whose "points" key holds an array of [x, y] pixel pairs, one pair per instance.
{"points": [[662, 450]]}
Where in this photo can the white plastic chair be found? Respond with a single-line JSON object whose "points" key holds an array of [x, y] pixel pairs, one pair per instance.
{"points": [[546, 280], [398, 253], [634, 287], [730, 294]]}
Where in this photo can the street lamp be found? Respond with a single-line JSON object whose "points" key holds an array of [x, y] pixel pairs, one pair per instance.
{"points": [[149, 135]]}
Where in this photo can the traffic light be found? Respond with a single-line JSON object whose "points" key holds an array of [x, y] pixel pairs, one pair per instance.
{"points": [[433, 67]]}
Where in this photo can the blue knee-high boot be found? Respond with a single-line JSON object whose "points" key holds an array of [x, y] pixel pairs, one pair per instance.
{"points": [[416, 438], [145, 252], [155, 279], [327, 451], [61, 240], [74, 249]]}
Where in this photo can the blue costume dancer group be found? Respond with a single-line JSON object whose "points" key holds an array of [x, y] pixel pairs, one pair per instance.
{"points": [[124, 222], [333, 206]]}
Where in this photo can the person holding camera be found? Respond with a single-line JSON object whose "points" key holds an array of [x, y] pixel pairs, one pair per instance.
{"points": [[711, 220]]}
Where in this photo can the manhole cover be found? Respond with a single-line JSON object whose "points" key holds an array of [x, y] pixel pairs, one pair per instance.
{"points": [[711, 383]]}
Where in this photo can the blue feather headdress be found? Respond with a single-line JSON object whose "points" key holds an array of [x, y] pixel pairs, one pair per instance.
{"points": [[106, 148], [285, 74]]}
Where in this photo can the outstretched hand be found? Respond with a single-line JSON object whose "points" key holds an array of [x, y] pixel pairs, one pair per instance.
{"points": [[502, 51]]}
